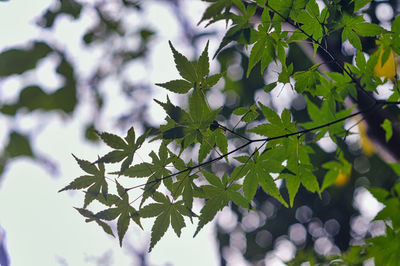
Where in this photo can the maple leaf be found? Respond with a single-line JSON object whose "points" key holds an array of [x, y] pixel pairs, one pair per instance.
{"points": [[124, 149], [218, 195], [95, 182], [167, 213], [123, 211]]}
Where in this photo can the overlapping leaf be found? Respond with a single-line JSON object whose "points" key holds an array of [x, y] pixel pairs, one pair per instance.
{"points": [[194, 74], [156, 171], [167, 213], [123, 211], [124, 149], [258, 174], [185, 185], [218, 194], [90, 217], [277, 126], [188, 127], [95, 181]]}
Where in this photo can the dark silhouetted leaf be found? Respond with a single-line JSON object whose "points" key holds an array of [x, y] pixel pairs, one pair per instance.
{"points": [[17, 61], [18, 145]]}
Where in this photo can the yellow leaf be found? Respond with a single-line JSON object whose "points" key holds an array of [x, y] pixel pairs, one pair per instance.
{"points": [[389, 69], [342, 179], [366, 145]]}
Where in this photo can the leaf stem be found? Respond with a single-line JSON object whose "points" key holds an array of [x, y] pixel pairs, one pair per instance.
{"points": [[335, 60], [265, 140]]}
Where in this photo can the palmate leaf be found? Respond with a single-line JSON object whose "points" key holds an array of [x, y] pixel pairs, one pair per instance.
{"points": [[175, 112], [160, 164], [184, 66], [90, 217], [216, 9], [185, 185], [325, 114], [302, 174], [257, 173], [313, 22], [357, 25], [178, 86], [268, 47], [188, 128], [277, 126], [156, 171], [156, 168], [194, 74], [218, 195], [95, 182], [123, 211], [167, 213], [203, 64], [124, 148]]}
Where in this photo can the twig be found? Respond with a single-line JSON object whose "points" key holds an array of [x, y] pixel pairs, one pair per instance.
{"points": [[377, 104]]}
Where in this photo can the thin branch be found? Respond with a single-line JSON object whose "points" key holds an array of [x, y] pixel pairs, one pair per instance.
{"points": [[198, 166], [377, 104], [231, 131], [336, 61]]}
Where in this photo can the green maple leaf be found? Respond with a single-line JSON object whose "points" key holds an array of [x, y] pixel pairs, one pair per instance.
{"points": [[124, 148], [178, 86], [194, 74], [300, 169], [95, 181], [188, 128], [184, 185], [218, 193], [313, 21], [215, 9], [167, 213], [258, 173], [268, 47], [123, 211], [326, 114], [160, 163], [90, 217], [301, 174], [353, 25], [277, 126], [185, 68], [156, 171], [210, 139]]}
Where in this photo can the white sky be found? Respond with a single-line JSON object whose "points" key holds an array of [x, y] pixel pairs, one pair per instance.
{"points": [[42, 227]]}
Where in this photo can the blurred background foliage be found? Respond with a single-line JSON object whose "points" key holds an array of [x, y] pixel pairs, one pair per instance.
{"points": [[108, 33], [320, 226]]}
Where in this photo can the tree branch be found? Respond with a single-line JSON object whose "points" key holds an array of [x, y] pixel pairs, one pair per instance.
{"points": [[378, 103]]}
